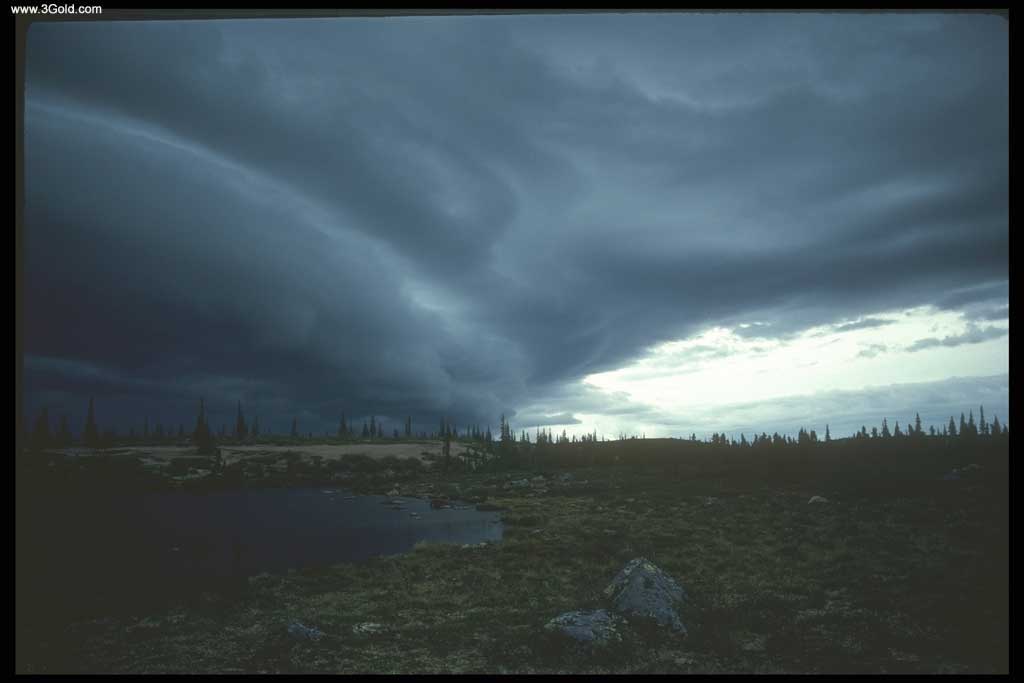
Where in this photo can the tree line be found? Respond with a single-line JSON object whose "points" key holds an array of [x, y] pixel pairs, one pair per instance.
{"points": [[42, 435]]}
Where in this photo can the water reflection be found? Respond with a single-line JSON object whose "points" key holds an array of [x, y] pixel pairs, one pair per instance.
{"points": [[91, 550]]}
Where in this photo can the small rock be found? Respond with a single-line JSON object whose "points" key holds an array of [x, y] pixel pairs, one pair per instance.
{"points": [[592, 630], [297, 630], [368, 628], [393, 492], [817, 499]]}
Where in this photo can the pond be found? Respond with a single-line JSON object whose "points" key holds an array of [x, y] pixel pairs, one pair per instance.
{"points": [[90, 554]]}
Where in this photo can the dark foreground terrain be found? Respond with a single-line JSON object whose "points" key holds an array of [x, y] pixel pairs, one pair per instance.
{"points": [[904, 569]]}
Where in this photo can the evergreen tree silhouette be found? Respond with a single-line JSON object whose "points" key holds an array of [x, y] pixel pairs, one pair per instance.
{"points": [[295, 427], [203, 436], [241, 431], [952, 426], [63, 433], [342, 427], [91, 434], [917, 424], [828, 435], [366, 430], [885, 429], [983, 426]]}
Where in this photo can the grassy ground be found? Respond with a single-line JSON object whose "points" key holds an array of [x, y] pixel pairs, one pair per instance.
{"points": [[870, 582]]}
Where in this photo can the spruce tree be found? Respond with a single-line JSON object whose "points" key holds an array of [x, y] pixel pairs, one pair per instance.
{"points": [[64, 433], [241, 431], [203, 436], [91, 434]]}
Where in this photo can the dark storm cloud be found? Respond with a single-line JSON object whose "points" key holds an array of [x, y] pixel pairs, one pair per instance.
{"points": [[457, 215]]}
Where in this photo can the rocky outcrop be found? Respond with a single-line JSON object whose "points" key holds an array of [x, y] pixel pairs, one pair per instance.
{"points": [[642, 590]]}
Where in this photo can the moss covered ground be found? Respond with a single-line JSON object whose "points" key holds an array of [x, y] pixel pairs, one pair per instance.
{"points": [[873, 581]]}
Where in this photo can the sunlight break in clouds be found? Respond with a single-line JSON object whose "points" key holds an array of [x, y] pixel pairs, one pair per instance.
{"points": [[719, 367]]}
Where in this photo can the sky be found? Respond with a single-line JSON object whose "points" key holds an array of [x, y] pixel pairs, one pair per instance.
{"points": [[656, 224]]}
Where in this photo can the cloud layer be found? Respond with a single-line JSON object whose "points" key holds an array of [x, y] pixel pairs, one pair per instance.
{"points": [[465, 215]]}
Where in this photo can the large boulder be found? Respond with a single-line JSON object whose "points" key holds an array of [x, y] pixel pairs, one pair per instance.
{"points": [[589, 630], [643, 590]]}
